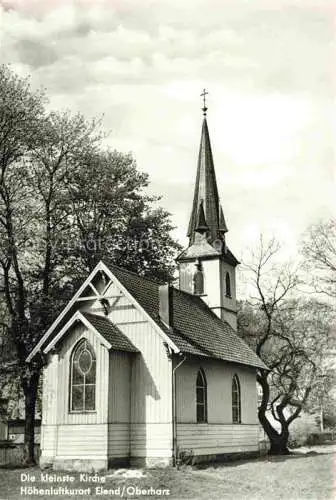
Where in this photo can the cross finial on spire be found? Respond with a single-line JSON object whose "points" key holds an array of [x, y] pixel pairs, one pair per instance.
{"points": [[204, 94]]}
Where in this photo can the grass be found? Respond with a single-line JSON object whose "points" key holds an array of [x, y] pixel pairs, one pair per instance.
{"points": [[294, 477]]}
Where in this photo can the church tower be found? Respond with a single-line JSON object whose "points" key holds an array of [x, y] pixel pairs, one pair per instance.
{"points": [[207, 268]]}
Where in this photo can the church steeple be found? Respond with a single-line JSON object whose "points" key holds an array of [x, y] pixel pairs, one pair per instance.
{"points": [[207, 266], [206, 192]]}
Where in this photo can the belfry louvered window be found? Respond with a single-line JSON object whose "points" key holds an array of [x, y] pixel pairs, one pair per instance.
{"points": [[83, 378], [201, 397]]}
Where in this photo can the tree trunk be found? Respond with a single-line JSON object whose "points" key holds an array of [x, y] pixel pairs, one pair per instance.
{"points": [[278, 441], [279, 444], [29, 431]]}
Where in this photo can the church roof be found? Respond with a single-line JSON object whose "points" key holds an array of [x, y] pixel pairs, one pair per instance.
{"points": [[196, 329], [202, 248], [206, 192], [110, 332]]}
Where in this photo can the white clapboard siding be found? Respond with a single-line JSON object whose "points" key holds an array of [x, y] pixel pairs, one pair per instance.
{"points": [[82, 440], [118, 440], [48, 440], [151, 368], [119, 389], [102, 367], [150, 401], [151, 440], [50, 391], [216, 439], [219, 383], [139, 390]]}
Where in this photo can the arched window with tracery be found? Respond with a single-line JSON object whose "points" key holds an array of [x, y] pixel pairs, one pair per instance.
{"points": [[236, 400], [227, 285], [201, 397], [83, 378]]}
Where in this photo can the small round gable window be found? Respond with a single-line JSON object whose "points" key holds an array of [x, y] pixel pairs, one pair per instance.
{"points": [[85, 361]]}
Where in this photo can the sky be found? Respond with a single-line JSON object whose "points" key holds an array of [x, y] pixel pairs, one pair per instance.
{"points": [[268, 66]]}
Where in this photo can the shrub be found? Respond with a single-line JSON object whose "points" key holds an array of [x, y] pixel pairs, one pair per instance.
{"points": [[185, 457], [301, 429], [320, 437]]}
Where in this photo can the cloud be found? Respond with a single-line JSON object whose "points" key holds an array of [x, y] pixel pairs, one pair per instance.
{"points": [[260, 47], [142, 63], [35, 54]]}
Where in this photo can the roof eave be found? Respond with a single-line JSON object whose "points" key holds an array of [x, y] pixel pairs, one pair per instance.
{"points": [[225, 360], [78, 316]]}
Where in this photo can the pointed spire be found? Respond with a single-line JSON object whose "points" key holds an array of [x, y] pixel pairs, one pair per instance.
{"points": [[201, 226], [222, 224], [207, 192]]}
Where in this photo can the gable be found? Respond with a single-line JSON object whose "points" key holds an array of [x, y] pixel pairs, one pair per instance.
{"points": [[100, 287]]}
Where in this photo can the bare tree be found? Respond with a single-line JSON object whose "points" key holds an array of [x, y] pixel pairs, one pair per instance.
{"points": [[319, 250], [289, 334]]}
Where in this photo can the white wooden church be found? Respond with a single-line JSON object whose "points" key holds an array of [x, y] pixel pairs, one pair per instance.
{"points": [[138, 372]]}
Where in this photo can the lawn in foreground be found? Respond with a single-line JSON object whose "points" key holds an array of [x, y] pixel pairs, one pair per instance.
{"points": [[296, 477]]}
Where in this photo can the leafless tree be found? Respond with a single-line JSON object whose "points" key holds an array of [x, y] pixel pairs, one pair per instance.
{"points": [[288, 333], [319, 250]]}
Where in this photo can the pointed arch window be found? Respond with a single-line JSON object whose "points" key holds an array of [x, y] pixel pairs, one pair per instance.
{"points": [[83, 378], [227, 285], [201, 397], [236, 400]]}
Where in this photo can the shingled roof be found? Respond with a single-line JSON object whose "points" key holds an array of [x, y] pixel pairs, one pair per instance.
{"points": [[110, 332], [196, 329]]}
